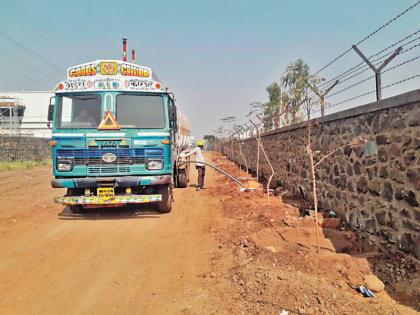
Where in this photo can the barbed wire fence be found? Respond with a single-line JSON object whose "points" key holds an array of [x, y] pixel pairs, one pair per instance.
{"points": [[396, 63]]}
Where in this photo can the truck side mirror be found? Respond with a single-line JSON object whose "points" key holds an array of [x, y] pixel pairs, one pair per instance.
{"points": [[50, 111], [173, 116]]}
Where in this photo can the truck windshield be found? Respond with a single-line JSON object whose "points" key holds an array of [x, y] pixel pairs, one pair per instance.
{"points": [[140, 111], [78, 111]]}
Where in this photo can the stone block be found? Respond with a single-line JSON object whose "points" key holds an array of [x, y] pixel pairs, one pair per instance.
{"points": [[382, 154], [406, 243], [374, 186], [394, 150], [362, 184], [413, 176], [409, 157], [357, 168], [387, 191], [381, 139], [410, 197], [381, 217], [383, 172]]}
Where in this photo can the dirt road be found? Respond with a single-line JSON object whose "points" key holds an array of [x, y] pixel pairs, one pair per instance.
{"points": [[219, 252], [109, 262]]}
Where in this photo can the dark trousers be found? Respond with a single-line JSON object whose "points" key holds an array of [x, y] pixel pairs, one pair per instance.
{"points": [[201, 173]]}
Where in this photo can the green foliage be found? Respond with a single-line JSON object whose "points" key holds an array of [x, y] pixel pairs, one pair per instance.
{"points": [[291, 100], [295, 82], [210, 138], [21, 165]]}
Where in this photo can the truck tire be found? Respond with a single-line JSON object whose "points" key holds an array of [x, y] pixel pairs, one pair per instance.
{"points": [[165, 206], [182, 179]]}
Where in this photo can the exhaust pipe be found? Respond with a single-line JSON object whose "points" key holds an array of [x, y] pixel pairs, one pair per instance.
{"points": [[124, 49], [133, 55]]}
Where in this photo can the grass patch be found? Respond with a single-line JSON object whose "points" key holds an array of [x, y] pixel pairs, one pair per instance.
{"points": [[21, 165]]}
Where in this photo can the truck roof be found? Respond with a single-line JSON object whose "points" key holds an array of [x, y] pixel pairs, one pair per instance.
{"points": [[109, 75]]}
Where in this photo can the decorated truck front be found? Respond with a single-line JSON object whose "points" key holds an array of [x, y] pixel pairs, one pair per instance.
{"points": [[115, 136]]}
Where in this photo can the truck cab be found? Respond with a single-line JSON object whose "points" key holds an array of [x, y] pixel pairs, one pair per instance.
{"points": [[116, 137]]}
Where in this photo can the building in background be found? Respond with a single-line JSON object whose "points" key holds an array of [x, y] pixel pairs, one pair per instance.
{"points": [[25, 113], [11, 113]]}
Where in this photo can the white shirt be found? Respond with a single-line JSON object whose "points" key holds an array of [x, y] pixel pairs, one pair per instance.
{"points": [[198, 155]]}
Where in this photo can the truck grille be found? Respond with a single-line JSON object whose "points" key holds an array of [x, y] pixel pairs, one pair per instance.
{"points": [[108, 169], [92, 158]]}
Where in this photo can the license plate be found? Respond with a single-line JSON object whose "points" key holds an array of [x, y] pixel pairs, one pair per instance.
{"points": [[105, 193]]}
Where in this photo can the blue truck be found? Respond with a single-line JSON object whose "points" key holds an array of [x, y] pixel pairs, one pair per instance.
{"points": [[117, 135]]}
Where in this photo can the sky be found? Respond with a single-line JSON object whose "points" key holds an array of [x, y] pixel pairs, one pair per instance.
{"points": [[217, 56]]}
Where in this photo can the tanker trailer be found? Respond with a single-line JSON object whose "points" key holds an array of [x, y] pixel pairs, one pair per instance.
{"points": [[183, 135]]}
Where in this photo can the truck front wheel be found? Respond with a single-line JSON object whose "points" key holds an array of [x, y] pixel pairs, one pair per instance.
{"points": [[165, 206], [182, 178]]}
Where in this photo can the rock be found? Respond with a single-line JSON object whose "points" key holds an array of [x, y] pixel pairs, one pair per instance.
{"points": [[387, 192], [409, 157], [357, 168], [382, 155], [406, 243], [396, 175], [370, 225], [399, 193], [330, 223], [362, 184], [394, 150], [374, 186], [410, 198], [213, 274], [406, 140], [398, 124], [381, 217], [383, 172], [271, 249], [381, 139], [349, 169], [319, 300], [414, 177], [374, 283], [350, 186]]}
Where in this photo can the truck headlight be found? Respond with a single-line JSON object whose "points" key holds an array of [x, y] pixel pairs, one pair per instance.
{"points": [[64, 165], [154, 164]]}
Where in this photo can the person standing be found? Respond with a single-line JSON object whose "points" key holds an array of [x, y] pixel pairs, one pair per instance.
{"points": [[201, 168]]}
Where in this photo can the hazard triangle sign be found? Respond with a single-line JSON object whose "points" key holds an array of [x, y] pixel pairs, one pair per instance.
{"points": [[109, 122]]}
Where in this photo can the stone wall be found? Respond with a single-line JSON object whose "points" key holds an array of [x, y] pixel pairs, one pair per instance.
{"points": [[374, 186], [23, 148]]}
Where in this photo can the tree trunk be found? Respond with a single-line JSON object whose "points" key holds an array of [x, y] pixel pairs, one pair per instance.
{"points": [[311, 160]]}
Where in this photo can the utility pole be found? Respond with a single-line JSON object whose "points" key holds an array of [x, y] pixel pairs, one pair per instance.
{"points": [[379, 69]]}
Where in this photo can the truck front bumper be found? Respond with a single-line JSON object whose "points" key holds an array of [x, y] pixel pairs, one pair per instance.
{"points": [[125, 181], [116, 200]]}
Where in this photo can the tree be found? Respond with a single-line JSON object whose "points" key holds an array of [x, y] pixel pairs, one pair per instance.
{"points": [[294, 82], [212, 141]]}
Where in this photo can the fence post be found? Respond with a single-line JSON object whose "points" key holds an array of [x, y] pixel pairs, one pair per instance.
{"points": [[379, 69]]}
